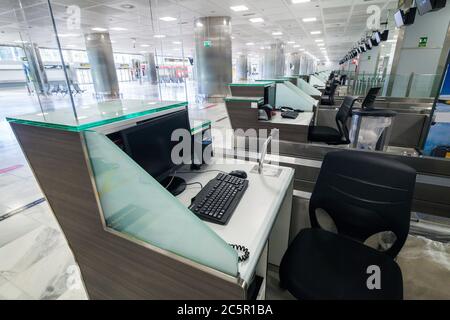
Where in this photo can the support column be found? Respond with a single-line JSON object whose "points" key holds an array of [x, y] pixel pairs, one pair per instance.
{"points": [[274, 61], [294, 63], [414, 64], [151, 72], [36, 67], [242, 67], [101, 59], [213, 56]]}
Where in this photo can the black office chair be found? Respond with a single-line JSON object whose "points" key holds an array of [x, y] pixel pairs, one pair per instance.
{"points": [[330, 135], [364, 194], [327, 97]]}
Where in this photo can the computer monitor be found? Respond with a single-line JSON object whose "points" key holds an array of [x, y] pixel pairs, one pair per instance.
{"points": [[398, 17], [369, 100], [150, 145], [270, 95]]}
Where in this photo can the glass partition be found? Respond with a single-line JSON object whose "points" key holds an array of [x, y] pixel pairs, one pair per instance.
{"points": [[136, 205]]}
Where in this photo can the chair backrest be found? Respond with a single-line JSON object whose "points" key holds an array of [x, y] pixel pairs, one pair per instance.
{"points": [[345, 111], [365, 194]]}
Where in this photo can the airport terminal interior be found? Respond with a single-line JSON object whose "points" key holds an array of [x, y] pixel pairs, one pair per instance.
{"points": [[224, 149]]}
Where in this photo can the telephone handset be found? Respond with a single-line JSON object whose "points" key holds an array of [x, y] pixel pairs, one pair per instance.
{"points": [[265, 112]]}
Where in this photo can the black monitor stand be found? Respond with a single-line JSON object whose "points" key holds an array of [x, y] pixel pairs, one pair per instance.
{"points": [[175, 185]]}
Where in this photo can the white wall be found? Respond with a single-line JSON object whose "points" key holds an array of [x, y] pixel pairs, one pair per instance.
{"points": [[368, 61]]}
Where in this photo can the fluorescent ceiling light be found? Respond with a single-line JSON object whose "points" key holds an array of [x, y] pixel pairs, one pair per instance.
{"points": [[316, 32], [300, 1], [312, 19], [277, 33], [145, 45], [99, 29], [249, 43], [291, 42], [167, 19], [320, 44], [297, 46], [119, 29], [159, 36], [254, 20], [318, 40], [239, 8], [176, 42]]}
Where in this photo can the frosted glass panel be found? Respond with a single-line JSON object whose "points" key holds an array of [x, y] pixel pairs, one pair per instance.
{"points": [[137, 205]]}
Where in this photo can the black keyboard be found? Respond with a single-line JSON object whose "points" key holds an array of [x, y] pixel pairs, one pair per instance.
{"points": [[289, 114], [218, 199]]}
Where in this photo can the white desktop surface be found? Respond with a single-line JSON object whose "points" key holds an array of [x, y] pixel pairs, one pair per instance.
{"points": [[253, 218], [303, 119]]}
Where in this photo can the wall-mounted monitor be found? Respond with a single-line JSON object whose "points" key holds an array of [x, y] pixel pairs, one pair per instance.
{"points": [[384, 35], [398, 17], [425, 6], [376, 38]]}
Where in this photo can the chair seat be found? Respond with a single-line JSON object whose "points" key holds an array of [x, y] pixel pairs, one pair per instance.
{"points": [[324, 134], [322, 265]]}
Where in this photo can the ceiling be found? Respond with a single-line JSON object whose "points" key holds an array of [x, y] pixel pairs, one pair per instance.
{"points": [[133, 23]]}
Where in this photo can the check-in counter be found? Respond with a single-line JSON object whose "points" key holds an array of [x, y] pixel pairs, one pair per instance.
{"points": [[243, 114], [265, 89], [130, 237]]}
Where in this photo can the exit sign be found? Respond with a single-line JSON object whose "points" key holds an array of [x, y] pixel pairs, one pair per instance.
{"points": [[423, 42], [207, 44]]}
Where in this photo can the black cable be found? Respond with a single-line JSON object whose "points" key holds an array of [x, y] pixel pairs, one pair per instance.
{"points": [[243, 252], [206, 171], [192, 183]]}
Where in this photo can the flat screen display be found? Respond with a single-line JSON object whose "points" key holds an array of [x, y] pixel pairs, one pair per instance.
{"points": [[398, 16], [424, 6]]}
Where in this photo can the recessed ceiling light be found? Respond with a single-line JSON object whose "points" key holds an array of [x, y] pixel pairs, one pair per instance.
{"points": [[320, 44], [254, 20], [176, 42], [99, 29], [250, 44], [145, 45], [291, 42], [297, 46], [277, 33], [168, 19], [119, 29], [312, 19], [316, 32], [239, 8], [127, 6], [159, 36], [300, 1]]}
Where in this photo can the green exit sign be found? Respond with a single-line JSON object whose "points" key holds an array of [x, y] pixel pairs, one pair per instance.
{"points": [[423, 41], [207, 44]]}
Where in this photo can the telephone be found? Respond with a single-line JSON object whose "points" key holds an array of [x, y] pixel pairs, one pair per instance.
{"points": [[265, 112]]}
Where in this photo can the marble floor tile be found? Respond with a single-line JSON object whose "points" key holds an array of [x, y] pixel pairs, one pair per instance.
{"points": [[15, 227], [43, 215], [21, 254], [20, 193], [51, 277], [8, 291]]}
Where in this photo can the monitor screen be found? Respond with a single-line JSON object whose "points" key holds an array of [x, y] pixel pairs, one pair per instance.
{"points": [[376, 38], [150, 144], [398, 16], [424, 6]]}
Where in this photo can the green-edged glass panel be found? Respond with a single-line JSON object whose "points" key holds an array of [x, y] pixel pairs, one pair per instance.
{"points": [[136, 205], [94, 115], [251, 84], [272, 80], [244, 99]]}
